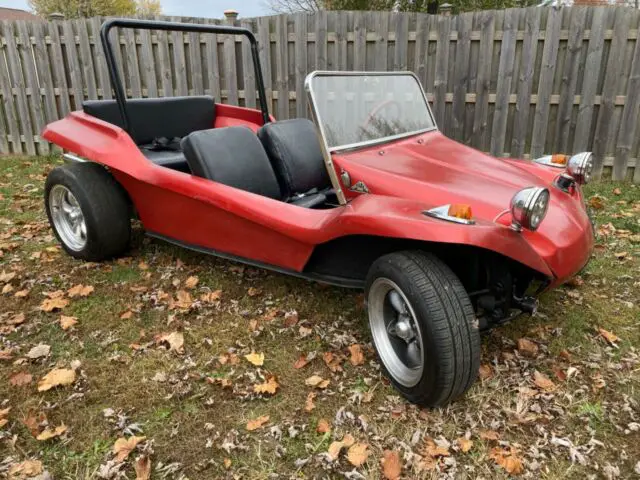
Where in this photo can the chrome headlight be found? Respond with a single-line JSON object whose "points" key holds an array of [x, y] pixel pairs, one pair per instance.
{"points": [[580, 167], [528, 208]]}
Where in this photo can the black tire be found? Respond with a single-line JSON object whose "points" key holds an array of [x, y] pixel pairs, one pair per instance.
{"points": [[446, 322], [105, 207]]}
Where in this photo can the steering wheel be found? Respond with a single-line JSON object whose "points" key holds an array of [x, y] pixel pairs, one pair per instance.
{"points": [[380, 106]]}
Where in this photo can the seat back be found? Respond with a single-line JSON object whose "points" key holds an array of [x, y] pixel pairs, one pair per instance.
{"points": [[152, 118], [296, 156], [232, 156]]}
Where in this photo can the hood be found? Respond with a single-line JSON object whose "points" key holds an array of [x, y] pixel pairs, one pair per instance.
{"points": [[436, 170]]}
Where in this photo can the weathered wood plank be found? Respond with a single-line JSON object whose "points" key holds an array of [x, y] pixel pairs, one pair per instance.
{"points": [[213, 68], [401, 42], [382, 31], [11, 130], [301, 65], [15, 74], [180, 63], [282, 65], [102, 72], [36, 29], [442, 71], [34, 101], [461, 79], [195, 63], [480, 130], [147, 64], [360, 43], [57, 62], [248, 70], [321, 40], [166, 73], [505, 76], [88, 74], [545, 85], [612, 74], [341, 41], [265, 57], [73, 64]]}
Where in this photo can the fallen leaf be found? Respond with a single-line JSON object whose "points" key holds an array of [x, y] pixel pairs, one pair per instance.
{"points": [[8, 288], [174, 341], [143, 468], [6, 354], [257, 423], [80, 291], [211, 297], [256, 359], [305, 331], [39, 351], [124, 446], [67, 322], [308, 404], [617, 191], [621, 255], [26, 469], [183, 301], [485, 372], [317, 382], [7, 277], [323, 426], [358, 454], [56, 377], [431, 449], [527, 347], [252, 292], [143, 266], [51, 304], [464, 444], [270, 386], [610, 337], [332, 361], [391, 466], [290, 318], [20, 379], [21, 293], [596, 202], [191, 282], [227, 463], [126, 315], [49, 433], [357, 357], [575, 282], [507, 459], [543, 382], [490, 435], [4, 413], [33, 422], [301, 362], [336, 447]]}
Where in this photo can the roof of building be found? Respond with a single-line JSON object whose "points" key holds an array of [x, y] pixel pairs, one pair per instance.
{"points": [[16, 14]]}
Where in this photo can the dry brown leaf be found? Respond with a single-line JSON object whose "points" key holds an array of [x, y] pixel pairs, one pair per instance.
{"points": [[211, 297], [49, 433], [4, 413], [464, 444], [391, 465], [317, 382], [22, 293], [39, 351], [621, 255], [617, 191], [51, 304], [270, 386], [80, 291], [143, 468], [332, 361], [507, 459], [20, 379], [56, 377], [256, 359], [290, 318], [323, 426], [358, 454], [143, 266], [336, 447], [252, 292], [485, 371], [229, 358], [126, 315], [308, 404], [596, 202], [183, 301], [301, 362], [227, 463], [174, 341], [33, 422], [357, 357], [305, 331], [191, 282], [257, 423], [610, 337], [124, 446], [8, 288], [527, 347], [17, 319], [543, 382], [7, 277], [67, 322], [490, 435], [6, 354], [26, 469], [430, 449]]}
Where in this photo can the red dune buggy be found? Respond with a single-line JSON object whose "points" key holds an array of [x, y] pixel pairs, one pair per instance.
{"points": [[445, 240]]}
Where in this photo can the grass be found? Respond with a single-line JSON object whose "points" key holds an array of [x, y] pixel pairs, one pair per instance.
{"points": [[194, 425]]}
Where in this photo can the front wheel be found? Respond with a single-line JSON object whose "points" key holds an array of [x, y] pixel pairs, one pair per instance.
{"points": [[423, 327]]}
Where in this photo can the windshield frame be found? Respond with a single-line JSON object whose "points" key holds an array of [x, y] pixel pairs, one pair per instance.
{"points": [[365, 143]]}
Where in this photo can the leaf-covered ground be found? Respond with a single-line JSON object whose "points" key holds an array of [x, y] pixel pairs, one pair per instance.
{"points": [[173, 364]]}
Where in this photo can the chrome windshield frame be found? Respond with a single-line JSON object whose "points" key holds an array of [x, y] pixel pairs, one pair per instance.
{"points": [[308, 84]]}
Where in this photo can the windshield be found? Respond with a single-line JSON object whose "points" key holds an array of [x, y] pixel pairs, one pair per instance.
{"points": [[363, 108]]}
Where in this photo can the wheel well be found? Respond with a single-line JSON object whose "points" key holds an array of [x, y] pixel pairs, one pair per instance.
{"points": [[352, 256]]}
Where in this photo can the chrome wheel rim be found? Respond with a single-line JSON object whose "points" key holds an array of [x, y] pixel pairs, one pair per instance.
{"points": [[395, 332], [67, 217]]}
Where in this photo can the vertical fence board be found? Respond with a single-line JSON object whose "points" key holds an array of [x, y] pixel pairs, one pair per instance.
{"points": [[147, 66], [264, 40], [360, 44], [44, 70], [248, 70], [180, 63], [213, 69], [629, 120], [382, 31], [58, 68], [608, 97], [321, 40], [282, 65], [461, 78], [73, 64], [89, 77], [12, 128], [102, 72], [15, 74], [301, 64], [341, 41], [166, 77], [441, 70], [505, 76], [195, 63], [480, 130]]}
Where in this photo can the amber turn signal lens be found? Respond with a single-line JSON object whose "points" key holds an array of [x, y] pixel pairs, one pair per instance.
{"points": [[559, 159], [460, 210]]}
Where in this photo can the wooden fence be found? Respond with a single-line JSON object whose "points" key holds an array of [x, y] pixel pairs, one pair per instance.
{"points": [[519, 82]]}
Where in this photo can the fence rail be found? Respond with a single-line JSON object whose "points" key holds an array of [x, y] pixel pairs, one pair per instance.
{"points": [[518, 82]]}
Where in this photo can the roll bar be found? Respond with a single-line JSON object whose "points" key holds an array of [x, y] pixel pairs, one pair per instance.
{"points": [[116, 82]]}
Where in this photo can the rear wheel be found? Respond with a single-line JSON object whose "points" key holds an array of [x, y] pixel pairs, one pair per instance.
{"points": [[423, 327], [88, 211]]}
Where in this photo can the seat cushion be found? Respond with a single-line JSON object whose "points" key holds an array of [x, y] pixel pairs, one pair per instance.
{"points": [[296, 156], [157, 117], [232, 156], [166, 158]]}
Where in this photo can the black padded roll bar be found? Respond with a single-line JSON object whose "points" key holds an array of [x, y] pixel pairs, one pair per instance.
{"points": [[116, 82]]}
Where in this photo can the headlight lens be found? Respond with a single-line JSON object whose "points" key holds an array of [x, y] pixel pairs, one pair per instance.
{"points": [[529, 207], [580, 167]]}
